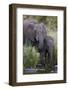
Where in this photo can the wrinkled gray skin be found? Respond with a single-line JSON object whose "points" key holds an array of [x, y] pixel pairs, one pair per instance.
{"points": [[28, 30], [47, 50], [34, 32]]}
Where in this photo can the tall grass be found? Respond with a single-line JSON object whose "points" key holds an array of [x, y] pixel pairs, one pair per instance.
{"points": [[31, 57]]}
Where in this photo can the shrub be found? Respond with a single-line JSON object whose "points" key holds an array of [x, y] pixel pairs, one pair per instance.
{"points": [[30, 56]]}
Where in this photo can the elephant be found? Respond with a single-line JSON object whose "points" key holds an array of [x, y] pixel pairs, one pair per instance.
{"points": [[47, 51], [34, 32]]}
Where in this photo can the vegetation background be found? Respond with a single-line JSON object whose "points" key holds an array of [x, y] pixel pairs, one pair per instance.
{"points": [[31, 56]]}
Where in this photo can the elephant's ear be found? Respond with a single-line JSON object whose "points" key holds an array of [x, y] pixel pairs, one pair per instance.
{"points": [[31, 31]]}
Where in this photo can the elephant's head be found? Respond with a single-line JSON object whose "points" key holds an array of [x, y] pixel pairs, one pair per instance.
{"points": [[40, 34], [35, 32]]}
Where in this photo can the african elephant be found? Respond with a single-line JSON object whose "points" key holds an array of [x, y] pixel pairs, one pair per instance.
{"points": [[34, 32], [47, 51]]}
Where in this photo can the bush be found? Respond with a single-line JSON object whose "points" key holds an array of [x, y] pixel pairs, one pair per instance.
{"points": [[30, 57]]}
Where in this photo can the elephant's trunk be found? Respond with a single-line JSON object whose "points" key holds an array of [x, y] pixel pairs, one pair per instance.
{"points": [[41, 43]]}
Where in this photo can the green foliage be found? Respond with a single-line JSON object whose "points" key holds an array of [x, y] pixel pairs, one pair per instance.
{"points": [[30, 56], [51, 22]]}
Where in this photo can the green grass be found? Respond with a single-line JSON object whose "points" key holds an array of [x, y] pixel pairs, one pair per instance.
{"points": [[30, 56]]}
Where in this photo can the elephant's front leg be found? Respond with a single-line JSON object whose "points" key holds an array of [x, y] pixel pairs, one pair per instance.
{"points": [[42, 59], [50, 58]]}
